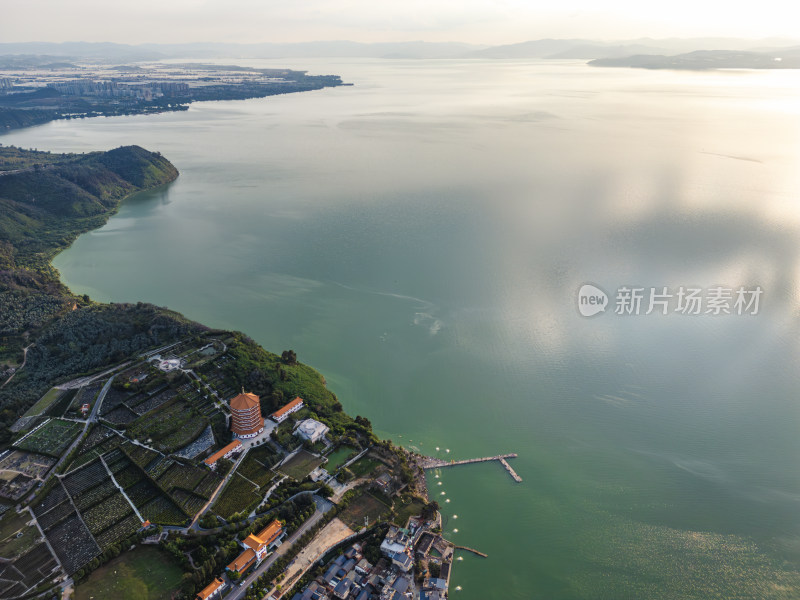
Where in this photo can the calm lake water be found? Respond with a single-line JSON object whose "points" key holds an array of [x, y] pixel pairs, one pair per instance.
{"points": [[420, 238]]}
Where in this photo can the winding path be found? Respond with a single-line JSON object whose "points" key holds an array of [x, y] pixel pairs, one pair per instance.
{"points": [[24, 360]]}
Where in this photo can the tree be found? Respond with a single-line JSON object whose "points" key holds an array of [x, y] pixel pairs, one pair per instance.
{"points": [[289, 357], [277, 397], [209, 521], [430, 510], [434, 569]]}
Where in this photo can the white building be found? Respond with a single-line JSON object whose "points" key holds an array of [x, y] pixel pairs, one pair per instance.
{"points": [[311, 430], [280, 415]]}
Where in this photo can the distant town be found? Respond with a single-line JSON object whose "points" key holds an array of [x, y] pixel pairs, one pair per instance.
{"points": [[42, 89]]}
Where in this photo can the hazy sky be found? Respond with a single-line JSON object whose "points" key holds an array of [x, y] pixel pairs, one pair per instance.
{"points": [[476, 21]]}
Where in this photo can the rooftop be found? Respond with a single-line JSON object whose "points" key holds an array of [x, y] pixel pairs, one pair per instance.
{"points": [[207, 591], [287, 407], [264, 537], [244, 561], [244, 401], [310, 428], [222, 452]]}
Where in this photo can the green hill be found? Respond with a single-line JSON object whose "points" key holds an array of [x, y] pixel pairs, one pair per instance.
{"points": [[46, 201]]}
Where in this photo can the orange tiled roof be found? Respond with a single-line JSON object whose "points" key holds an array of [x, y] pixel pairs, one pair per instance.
{"points": [[264, 537], [253, 542], [244, 561], [270, 532], [210, 589], [220, 453], [284, 409], [244, 401]]}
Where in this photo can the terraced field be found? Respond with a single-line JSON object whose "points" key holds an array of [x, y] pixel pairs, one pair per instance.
{"points": [[52, 438], [239, 495]]}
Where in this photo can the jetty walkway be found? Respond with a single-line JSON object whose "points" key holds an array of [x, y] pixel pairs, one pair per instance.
{"points": [[478, 552], [428, 462]]}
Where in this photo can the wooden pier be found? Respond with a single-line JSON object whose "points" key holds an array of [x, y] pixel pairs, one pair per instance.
{"points": [[478, 552], [511, 471], [428, 462]]}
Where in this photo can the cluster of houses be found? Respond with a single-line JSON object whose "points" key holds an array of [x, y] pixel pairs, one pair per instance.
{"points": [[352, 577], [432, 548]]}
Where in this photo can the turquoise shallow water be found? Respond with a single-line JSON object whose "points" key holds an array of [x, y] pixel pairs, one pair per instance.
{"points": [[420, 238]]}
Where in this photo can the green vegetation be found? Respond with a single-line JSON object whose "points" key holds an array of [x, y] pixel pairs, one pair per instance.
{"points": [[44, 403], [300, 465], [15, 536], [16, 118], [257, 465], [364, 466], [42, 210], [171, 426], [145, 573], [52, 438], [407, 506], [338, 457], [279, 379], [364, 506], [46, 207], [239, 496]]}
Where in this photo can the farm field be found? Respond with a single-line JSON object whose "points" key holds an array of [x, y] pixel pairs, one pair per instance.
{"points": [[52, 438], [27, 571], [300, 465], [257, 465], [170, 426], [239, 495], [366, 505], [145, 573], [10, 526], [44, 402]]}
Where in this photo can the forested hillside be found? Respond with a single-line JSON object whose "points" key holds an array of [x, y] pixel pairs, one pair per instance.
{"points": [[46, 201]]}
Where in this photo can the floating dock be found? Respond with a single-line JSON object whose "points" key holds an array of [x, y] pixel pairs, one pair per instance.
{"points": [[428, 462], [511, 471]]}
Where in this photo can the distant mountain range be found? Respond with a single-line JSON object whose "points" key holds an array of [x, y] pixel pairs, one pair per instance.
{"points": [[688, 53], [787, 58]]}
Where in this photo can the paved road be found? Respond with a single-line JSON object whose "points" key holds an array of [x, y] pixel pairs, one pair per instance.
{"points": [[323, 506]]}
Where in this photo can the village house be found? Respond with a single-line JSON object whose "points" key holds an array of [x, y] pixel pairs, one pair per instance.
{"points": [[280, 415], [226, 452]]}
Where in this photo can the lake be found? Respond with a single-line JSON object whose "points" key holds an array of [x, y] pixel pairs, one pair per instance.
{"points": [[421, 237]]}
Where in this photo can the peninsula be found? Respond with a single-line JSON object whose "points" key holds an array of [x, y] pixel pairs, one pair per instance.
{"points": [[37, 89], [189, 459]]}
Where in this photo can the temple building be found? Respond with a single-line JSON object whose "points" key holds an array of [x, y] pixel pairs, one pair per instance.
{"points": [[246, 419]]}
